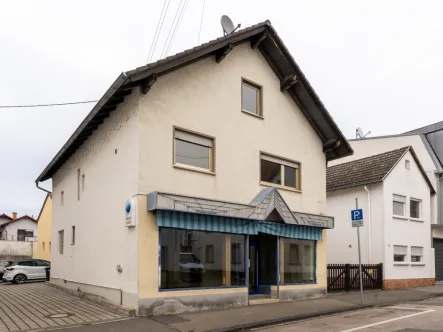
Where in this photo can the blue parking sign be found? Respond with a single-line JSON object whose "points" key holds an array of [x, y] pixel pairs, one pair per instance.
{"points": [[357, 215]]}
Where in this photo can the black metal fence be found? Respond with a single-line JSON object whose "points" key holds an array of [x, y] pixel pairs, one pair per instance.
{"points": [[344, 278]]}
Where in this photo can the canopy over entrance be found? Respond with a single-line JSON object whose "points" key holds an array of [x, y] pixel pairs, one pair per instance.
{"points": [[178, 211]]}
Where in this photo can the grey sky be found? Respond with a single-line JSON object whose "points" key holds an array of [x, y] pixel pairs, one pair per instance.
{"points": [[374, 64]]}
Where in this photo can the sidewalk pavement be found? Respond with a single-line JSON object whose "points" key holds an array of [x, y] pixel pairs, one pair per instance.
{"points": [[243, 318]]}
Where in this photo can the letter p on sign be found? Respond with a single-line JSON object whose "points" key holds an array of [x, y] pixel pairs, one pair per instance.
{"points": [[357, 215]]}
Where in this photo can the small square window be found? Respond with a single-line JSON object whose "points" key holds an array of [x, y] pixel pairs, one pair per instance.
{"points": [[400, 253], [398, 205], [407, 164], [416, 254], [251, 98], [193, 150], [281, 172], [414, 207]]}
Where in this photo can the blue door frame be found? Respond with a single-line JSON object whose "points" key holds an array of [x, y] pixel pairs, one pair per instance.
{"points": [[253, 264]]}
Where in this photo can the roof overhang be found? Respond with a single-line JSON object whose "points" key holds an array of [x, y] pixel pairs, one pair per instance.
{"points": [[269, 202], [262, 37]]}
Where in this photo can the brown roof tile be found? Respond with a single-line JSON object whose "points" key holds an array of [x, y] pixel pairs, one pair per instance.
{"points": [[363, 171]]}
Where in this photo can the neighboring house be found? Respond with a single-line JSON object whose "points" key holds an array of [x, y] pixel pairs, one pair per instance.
{"points": [[167, 191], [44, 222], [4, 218], [23, 228], [395, 194], [427, 144]]}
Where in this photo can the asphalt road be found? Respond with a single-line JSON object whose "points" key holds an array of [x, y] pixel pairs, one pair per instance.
{"points": [[423, 316]]}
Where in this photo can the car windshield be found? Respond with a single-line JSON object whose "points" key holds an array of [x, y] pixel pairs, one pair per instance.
{"points": [[188, 258], [7, 264]]}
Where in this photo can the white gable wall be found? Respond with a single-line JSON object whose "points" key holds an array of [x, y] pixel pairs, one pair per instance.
{"points": [[409, 183], [372, 146], [109, 160], [12, 228], [342, 240]]}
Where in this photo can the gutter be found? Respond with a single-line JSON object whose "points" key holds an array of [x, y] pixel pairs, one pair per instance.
{"points": [[38, 187], [369, 224]]}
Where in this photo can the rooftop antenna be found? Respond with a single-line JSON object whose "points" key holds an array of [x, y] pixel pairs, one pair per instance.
{"points": [[227, 25], [359, 133]]}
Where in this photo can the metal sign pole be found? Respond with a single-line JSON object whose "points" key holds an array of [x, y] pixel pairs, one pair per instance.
{"points": [[359, 256]]}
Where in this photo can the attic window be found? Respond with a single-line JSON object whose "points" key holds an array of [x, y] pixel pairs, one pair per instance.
{"points": [[251, 98], [407, 164]]}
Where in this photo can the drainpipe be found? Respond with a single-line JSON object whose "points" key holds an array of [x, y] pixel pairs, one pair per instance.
{"points": [[369, 225], [36, 184]]}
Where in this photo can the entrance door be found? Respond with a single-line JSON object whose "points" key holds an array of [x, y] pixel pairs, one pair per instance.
{"points": [[438, 247], [253, 267]]}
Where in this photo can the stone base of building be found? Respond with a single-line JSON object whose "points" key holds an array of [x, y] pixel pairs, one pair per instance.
{"points": [[190, 303], [106, 297], [392, 284]]}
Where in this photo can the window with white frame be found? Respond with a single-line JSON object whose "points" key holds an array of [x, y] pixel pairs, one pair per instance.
{"points": [[416, 254], [398, 207], [400, 253], [414, 208]]}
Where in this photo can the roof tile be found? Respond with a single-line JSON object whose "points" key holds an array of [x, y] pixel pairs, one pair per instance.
{"points": [[363, 171]]}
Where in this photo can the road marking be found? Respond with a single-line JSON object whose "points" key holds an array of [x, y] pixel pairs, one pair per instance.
{"points": [[387, 321]]}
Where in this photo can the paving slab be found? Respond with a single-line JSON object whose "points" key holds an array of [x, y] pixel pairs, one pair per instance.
{"points": [[243, 318], [38, 306]]}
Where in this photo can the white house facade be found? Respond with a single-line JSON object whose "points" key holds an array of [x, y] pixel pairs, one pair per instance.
{"points": [[183, 189], [395, 194], [23, 228], [433, 168]]}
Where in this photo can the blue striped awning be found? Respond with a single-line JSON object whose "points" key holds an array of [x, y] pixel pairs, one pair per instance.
{"points": [[290, 230], [211, 223], [205, 222]]}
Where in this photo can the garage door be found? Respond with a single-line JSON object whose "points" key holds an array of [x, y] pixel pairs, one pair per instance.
{"points": [[438, 245]]}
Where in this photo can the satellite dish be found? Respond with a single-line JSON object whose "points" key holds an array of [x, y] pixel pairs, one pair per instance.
{"points": [[359, 133], [227, 25]]}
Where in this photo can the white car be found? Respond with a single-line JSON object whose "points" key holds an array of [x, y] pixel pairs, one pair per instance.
{"points": [[20, 271], [191, 269]]}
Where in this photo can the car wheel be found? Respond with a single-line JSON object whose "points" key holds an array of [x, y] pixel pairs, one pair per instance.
{"points": [[20, 279]]}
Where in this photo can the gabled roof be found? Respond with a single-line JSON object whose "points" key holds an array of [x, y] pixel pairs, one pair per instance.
{"points": [[427, 129], [263, 37], [19, 218], [3, 215], [368, 170], [48, 195]]}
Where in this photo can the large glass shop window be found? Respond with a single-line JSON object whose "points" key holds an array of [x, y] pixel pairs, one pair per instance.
{"points": [[196, 259]]}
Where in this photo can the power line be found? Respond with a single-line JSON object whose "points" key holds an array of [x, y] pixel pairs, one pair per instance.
{"points": [[201, 22], [159, 24], [177, 26], [46, 105], [171, 28]]}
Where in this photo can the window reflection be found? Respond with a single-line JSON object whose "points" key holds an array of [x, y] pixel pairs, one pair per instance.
{"points": [[194, 259]]}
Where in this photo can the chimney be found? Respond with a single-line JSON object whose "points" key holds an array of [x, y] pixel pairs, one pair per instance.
{"points": [[14, 215]]}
